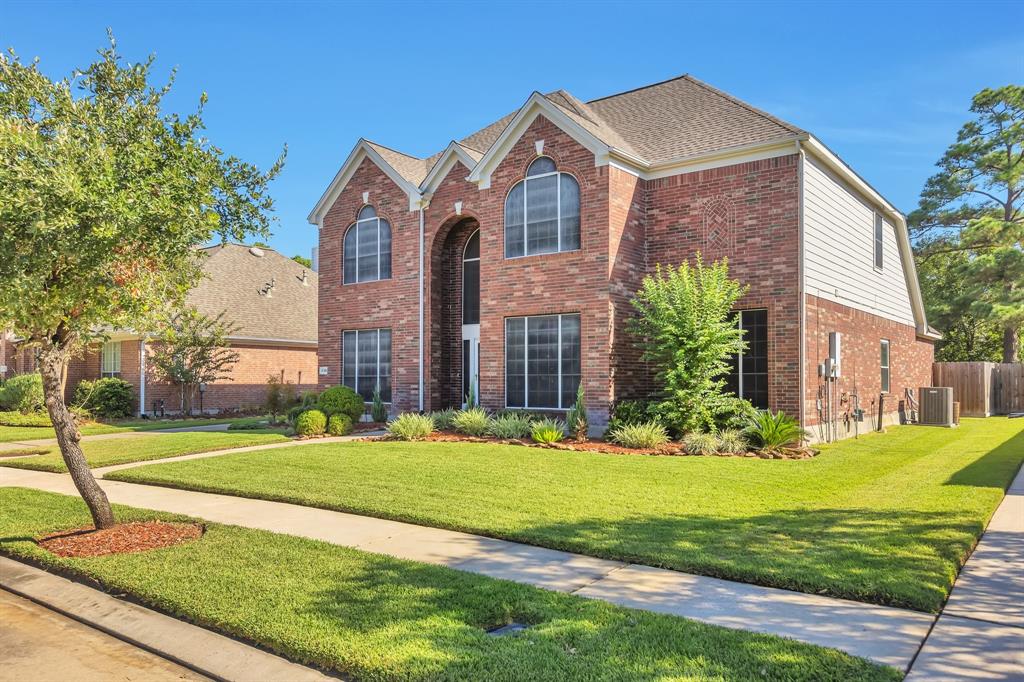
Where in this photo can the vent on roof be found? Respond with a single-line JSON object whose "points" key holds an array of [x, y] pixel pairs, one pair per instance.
{"points": [[256, 251]]}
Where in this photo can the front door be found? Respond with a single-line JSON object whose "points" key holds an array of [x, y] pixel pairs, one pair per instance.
{"points": [[471, 320]]}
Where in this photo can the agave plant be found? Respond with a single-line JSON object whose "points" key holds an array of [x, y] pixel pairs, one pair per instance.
{"points": [[773, 431]]}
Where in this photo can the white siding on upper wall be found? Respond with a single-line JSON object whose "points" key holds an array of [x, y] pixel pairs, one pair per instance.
{"points": [[839, 249]]}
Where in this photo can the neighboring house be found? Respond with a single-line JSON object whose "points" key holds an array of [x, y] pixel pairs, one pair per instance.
{"points": [[508, 260], [271, 299]]}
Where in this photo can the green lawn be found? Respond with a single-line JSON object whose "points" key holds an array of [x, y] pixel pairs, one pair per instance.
{"points": [[372, 617], [888, 518], [110, 451], [10, 434]]}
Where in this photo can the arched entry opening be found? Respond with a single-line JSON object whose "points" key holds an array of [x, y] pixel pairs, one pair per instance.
{"points": [[455, 314]]}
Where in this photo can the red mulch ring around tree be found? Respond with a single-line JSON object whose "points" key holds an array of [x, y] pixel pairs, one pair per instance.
{"points": [[671, 449], [123, 538]]}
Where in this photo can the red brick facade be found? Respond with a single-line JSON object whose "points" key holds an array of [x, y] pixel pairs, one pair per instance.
{"points": [[748, 212], [245, 391]]}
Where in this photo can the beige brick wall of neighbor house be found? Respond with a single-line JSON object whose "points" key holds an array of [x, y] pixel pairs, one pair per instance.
{"points": [[245, 391]]}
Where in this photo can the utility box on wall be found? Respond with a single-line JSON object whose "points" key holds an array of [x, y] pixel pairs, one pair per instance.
{"points": [[936, 406]]}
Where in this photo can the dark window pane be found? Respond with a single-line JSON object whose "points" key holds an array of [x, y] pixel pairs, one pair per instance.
{"points": [[366, 212], [384, 365], [471, 292], [348, 363], [367, 238], [515, 362], [514, 221], [542, 215], [542, 361], [473, 246], [349, 267], [753, 384], [570, 212], [367, 363], [542, 165], [571, 367], [879, 240], [385, 250]]}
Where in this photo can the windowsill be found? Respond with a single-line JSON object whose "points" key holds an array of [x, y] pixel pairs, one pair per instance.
{"points": [[541, 255], [369, 281]]}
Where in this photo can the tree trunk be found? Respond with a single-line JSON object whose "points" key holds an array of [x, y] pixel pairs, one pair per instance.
{"points": [[53, 361], [1011, 344]]}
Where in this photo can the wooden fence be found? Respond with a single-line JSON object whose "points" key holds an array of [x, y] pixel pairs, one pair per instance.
{"points": [[983, 388]]}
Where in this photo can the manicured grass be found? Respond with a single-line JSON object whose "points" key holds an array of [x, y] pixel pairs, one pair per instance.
{"points": [[10, 434], [888, 518], [376, 618], [110, 451]]}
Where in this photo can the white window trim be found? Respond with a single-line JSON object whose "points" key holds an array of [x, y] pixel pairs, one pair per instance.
{"points": [[878, 242], [887, 366], [526, 361], [558, 209], [355, 373], [355, 226], [115, 359]]}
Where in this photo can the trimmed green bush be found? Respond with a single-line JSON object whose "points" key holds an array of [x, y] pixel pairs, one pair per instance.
{"points": [[342, 400], [109, 397], [411, 426], [473, 421], [774, 431], [700, 443], [646, 435], [22, 393], [511, 425], [547, 431], [22, 419], [339, 425], [731, 441], [311, 423], [444, 420]]}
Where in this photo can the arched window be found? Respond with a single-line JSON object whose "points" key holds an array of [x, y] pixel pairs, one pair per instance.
{"points": [[542, 212], [367, 248]]}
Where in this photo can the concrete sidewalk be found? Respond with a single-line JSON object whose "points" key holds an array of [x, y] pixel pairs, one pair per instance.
{"points": [[885, 635], [980, 634]]}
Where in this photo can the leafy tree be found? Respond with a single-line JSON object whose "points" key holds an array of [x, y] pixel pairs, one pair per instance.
{"points": [[975, 205], [686, 331], [193, 349], [103, 199], [303, 261]]}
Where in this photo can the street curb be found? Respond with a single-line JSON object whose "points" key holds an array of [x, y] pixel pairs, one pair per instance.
{"points": [[203, 651]]}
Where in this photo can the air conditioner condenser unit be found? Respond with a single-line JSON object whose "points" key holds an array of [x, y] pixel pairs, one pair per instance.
{"points": [[936, 406]]}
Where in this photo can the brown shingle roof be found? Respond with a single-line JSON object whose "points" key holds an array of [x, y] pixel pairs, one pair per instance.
{"points": [[233, 280], [409, 167]]}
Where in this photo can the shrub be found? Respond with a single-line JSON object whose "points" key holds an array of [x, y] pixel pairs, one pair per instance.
{"points": [[472, 421], [378, 410], [700, 443], [343, 400], [339, 425], [547, 431], [444, 420], [309, 398], [280, 397], [576, 417], [630, 412], [294, 413], [22, 419], [109, 397], [411, 426], [645, 435], [22, 393], [687, 331], [511, 425], [311, 423], [768, 431], [731, 441]]}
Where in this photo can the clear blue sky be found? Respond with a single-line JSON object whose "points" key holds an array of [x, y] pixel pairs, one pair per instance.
{"points": [[885, 85]]}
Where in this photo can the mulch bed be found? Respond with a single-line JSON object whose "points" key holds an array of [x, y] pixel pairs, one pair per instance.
{"points": [[669, 449], [121, 539]]}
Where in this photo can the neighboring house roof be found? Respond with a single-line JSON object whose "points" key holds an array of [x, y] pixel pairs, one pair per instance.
{"points": [[235, 282]]}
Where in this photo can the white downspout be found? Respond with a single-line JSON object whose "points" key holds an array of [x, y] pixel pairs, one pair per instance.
{"points": [[802, 384], [421, 313], [142, 377]]}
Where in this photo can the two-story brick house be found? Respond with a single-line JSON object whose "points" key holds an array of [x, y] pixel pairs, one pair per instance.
{"points": [[507, 262]]}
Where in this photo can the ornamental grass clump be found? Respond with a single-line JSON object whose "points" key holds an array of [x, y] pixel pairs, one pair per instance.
{"points": [[700, 443], [732, 441], [645, 435], [771, 432], [444, 419], [547, 431], [411, 426], [473, 421], [511, 426]]}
